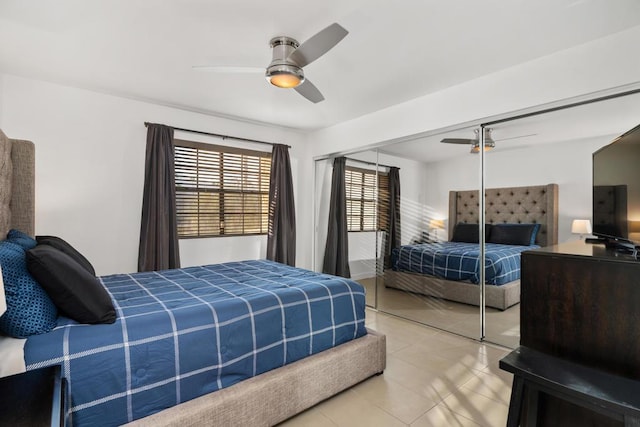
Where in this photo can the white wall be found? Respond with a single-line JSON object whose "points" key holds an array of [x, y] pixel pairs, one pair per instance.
{"points": [[567, 164], [1, 96], [90, 150]]}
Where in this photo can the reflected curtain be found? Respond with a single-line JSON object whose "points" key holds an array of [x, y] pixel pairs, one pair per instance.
{"points": [[158, 248], [336, 252], [393, 233], [281, 235]]}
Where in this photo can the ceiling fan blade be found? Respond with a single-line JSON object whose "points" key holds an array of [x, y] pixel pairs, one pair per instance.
{"points": [[228, 69], [309, 91], [318, 45], [516, 137], [458, 141]]}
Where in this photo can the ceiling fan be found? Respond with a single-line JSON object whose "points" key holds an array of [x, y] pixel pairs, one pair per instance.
{"points": [[489, 142], [289, 58]]}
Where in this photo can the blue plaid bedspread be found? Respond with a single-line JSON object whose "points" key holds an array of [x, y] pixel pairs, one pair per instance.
{"points": [[460, 261], [187, 332]]}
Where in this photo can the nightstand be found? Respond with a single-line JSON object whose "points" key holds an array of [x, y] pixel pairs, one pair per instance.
{"points": [[34, 398]]}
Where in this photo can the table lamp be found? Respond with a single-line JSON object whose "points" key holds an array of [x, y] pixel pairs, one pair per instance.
{"points": [[581, 227], [434, 225]]}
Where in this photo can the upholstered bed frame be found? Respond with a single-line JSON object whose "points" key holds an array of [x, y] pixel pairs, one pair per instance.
{"points": [[17, 185], [533, 204], [264, 400]]}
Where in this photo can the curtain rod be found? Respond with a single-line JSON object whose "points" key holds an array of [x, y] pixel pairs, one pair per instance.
{"points": [[369, 163], [146, 124]]}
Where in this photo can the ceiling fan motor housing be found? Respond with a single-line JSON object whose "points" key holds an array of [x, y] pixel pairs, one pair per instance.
{"points": [[282, 71], [489, 143]]}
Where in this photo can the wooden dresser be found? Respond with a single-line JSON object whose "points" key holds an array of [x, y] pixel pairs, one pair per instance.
{"points": [[581, 303]]}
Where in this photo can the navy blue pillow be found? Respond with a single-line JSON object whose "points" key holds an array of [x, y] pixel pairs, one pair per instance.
{"points": [[514, 234], [30, 311], [468, 233], [23, 239]]}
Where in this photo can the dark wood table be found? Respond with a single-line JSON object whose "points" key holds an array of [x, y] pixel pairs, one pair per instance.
{"points": [[34, 398]]}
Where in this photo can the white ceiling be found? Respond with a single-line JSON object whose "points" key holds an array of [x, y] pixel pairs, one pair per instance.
{"points": [[395, 51]]}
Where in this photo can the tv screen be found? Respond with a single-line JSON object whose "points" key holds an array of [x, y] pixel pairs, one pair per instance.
{"points": [[616, 189]]}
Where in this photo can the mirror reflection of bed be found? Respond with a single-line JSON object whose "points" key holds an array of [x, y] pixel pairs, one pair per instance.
{"points": [[534, 150], [517, 218]]}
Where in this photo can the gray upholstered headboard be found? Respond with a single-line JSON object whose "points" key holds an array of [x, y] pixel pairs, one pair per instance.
{"points": [[17, 185], [535, 204]]}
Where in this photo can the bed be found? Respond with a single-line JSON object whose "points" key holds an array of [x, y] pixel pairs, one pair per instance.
{"points": [[510, 205], [248, 343]]}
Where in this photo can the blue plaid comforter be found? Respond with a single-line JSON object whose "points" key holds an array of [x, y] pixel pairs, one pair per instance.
{"points": [[460, 261], [187, 332]]}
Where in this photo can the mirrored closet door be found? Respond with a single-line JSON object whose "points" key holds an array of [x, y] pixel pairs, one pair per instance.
{"points": [[416, 282], [408, 200]]}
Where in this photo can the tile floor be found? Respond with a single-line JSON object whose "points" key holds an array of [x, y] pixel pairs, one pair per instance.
{"points": [[433, 378]]}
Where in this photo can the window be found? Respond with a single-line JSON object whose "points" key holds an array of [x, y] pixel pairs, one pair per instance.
{"points": [[221, 191], [360, 185]]}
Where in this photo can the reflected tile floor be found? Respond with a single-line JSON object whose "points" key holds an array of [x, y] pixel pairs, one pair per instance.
{"points": [[433, 378], [502, 327]]}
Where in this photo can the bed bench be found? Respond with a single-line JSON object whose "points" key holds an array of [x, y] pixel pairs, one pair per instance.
{"points": [[534, 372]]}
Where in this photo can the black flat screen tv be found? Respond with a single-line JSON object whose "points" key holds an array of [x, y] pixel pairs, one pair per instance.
{"points": [[616, 191]]}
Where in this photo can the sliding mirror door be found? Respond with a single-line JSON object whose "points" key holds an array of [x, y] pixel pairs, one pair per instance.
{"points": [[536, 170], [428, 278], [362, 186], [530, 154], [520, 214]]}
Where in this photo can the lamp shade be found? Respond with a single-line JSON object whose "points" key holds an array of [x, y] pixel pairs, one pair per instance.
{"points": [[581, 226], [436, 223]]}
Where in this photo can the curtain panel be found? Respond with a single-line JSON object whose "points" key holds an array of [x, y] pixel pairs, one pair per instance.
{"points": [[336, 253], [393, 234], [281, 234], [158, 248]]}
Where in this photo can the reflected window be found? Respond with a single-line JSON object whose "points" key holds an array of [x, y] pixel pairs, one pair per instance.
{"points": [[361, 189]]}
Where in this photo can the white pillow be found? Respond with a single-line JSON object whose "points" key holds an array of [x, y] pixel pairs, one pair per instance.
{"points": [[3, 301]]}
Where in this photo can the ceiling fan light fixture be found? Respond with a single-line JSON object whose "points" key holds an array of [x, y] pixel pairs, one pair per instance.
{"points": [[283, 72], [489, 143], [284, 75], [288, 58]]}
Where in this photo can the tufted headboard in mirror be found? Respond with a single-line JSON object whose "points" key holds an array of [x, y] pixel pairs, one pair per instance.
{"points": [[17, 185], [531, 205]]}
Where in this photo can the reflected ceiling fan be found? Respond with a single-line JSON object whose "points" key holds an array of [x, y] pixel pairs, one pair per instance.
{"points": [[289, 58], [489, 142]]}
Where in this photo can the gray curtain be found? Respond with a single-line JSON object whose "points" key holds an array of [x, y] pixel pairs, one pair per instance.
{"points": [[336, 252], [158, 232], [393, 233], [281, 236]]}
